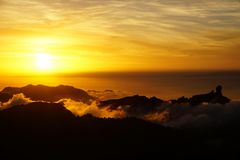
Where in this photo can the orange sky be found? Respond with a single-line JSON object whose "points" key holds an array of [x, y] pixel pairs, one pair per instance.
{"points": [[116, 35]]}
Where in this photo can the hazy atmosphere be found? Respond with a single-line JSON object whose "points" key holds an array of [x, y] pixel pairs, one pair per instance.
{"points": [[112, 35]]}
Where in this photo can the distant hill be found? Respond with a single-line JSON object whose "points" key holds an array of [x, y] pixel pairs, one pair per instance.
{"points": [[134, 104], [212, 97], [137, 105], [46, 93]]}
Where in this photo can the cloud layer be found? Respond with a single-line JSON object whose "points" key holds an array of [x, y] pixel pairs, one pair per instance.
{"points": [[168, 114], [204, 115]]}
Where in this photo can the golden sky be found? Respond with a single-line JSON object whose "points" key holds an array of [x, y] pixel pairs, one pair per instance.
{"points": [[118, 35]]}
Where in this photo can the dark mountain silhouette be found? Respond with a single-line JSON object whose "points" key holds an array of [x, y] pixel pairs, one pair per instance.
{"points": [[131, 104], [211, 97], [45, 93], [142, 104], [134, 104], [42, 130], [49, 131]]}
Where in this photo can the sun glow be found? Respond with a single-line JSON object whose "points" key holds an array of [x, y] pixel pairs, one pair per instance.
{"points": [[44, 61]]}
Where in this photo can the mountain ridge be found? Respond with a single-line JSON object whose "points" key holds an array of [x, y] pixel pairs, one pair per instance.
{"points": [[46, 93]]}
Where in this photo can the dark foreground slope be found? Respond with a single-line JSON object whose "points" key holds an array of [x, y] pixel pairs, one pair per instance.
{"points": [[49, 131]]}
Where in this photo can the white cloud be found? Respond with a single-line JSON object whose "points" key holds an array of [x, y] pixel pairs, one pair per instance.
{"points": [[17, 99], [81, 109]]}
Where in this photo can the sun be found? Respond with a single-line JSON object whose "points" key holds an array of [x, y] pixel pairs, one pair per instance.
{"points": [[44, 61]]}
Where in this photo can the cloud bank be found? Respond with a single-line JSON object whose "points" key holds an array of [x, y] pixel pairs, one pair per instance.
{"points": [[204, 115], [17, 99], [81, 109], [76, 107], [168, 114]]}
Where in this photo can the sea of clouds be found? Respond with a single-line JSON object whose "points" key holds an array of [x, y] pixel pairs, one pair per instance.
{"points": [[168, 114]]}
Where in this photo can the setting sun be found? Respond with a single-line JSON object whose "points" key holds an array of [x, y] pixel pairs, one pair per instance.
{"points": [[44, 61]]}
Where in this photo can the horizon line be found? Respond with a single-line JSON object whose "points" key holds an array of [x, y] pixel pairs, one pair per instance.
{"points": [[105, 73]]}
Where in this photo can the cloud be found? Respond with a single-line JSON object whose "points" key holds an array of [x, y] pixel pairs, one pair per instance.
{"points": [[81, 109], [76, 107], [171, 115], [17, 99], [157, 116], [106, 94], [163, 19], [204, 115]]}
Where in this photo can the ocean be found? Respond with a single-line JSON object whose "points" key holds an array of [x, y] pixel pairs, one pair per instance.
{"points": [[165, 85]]}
